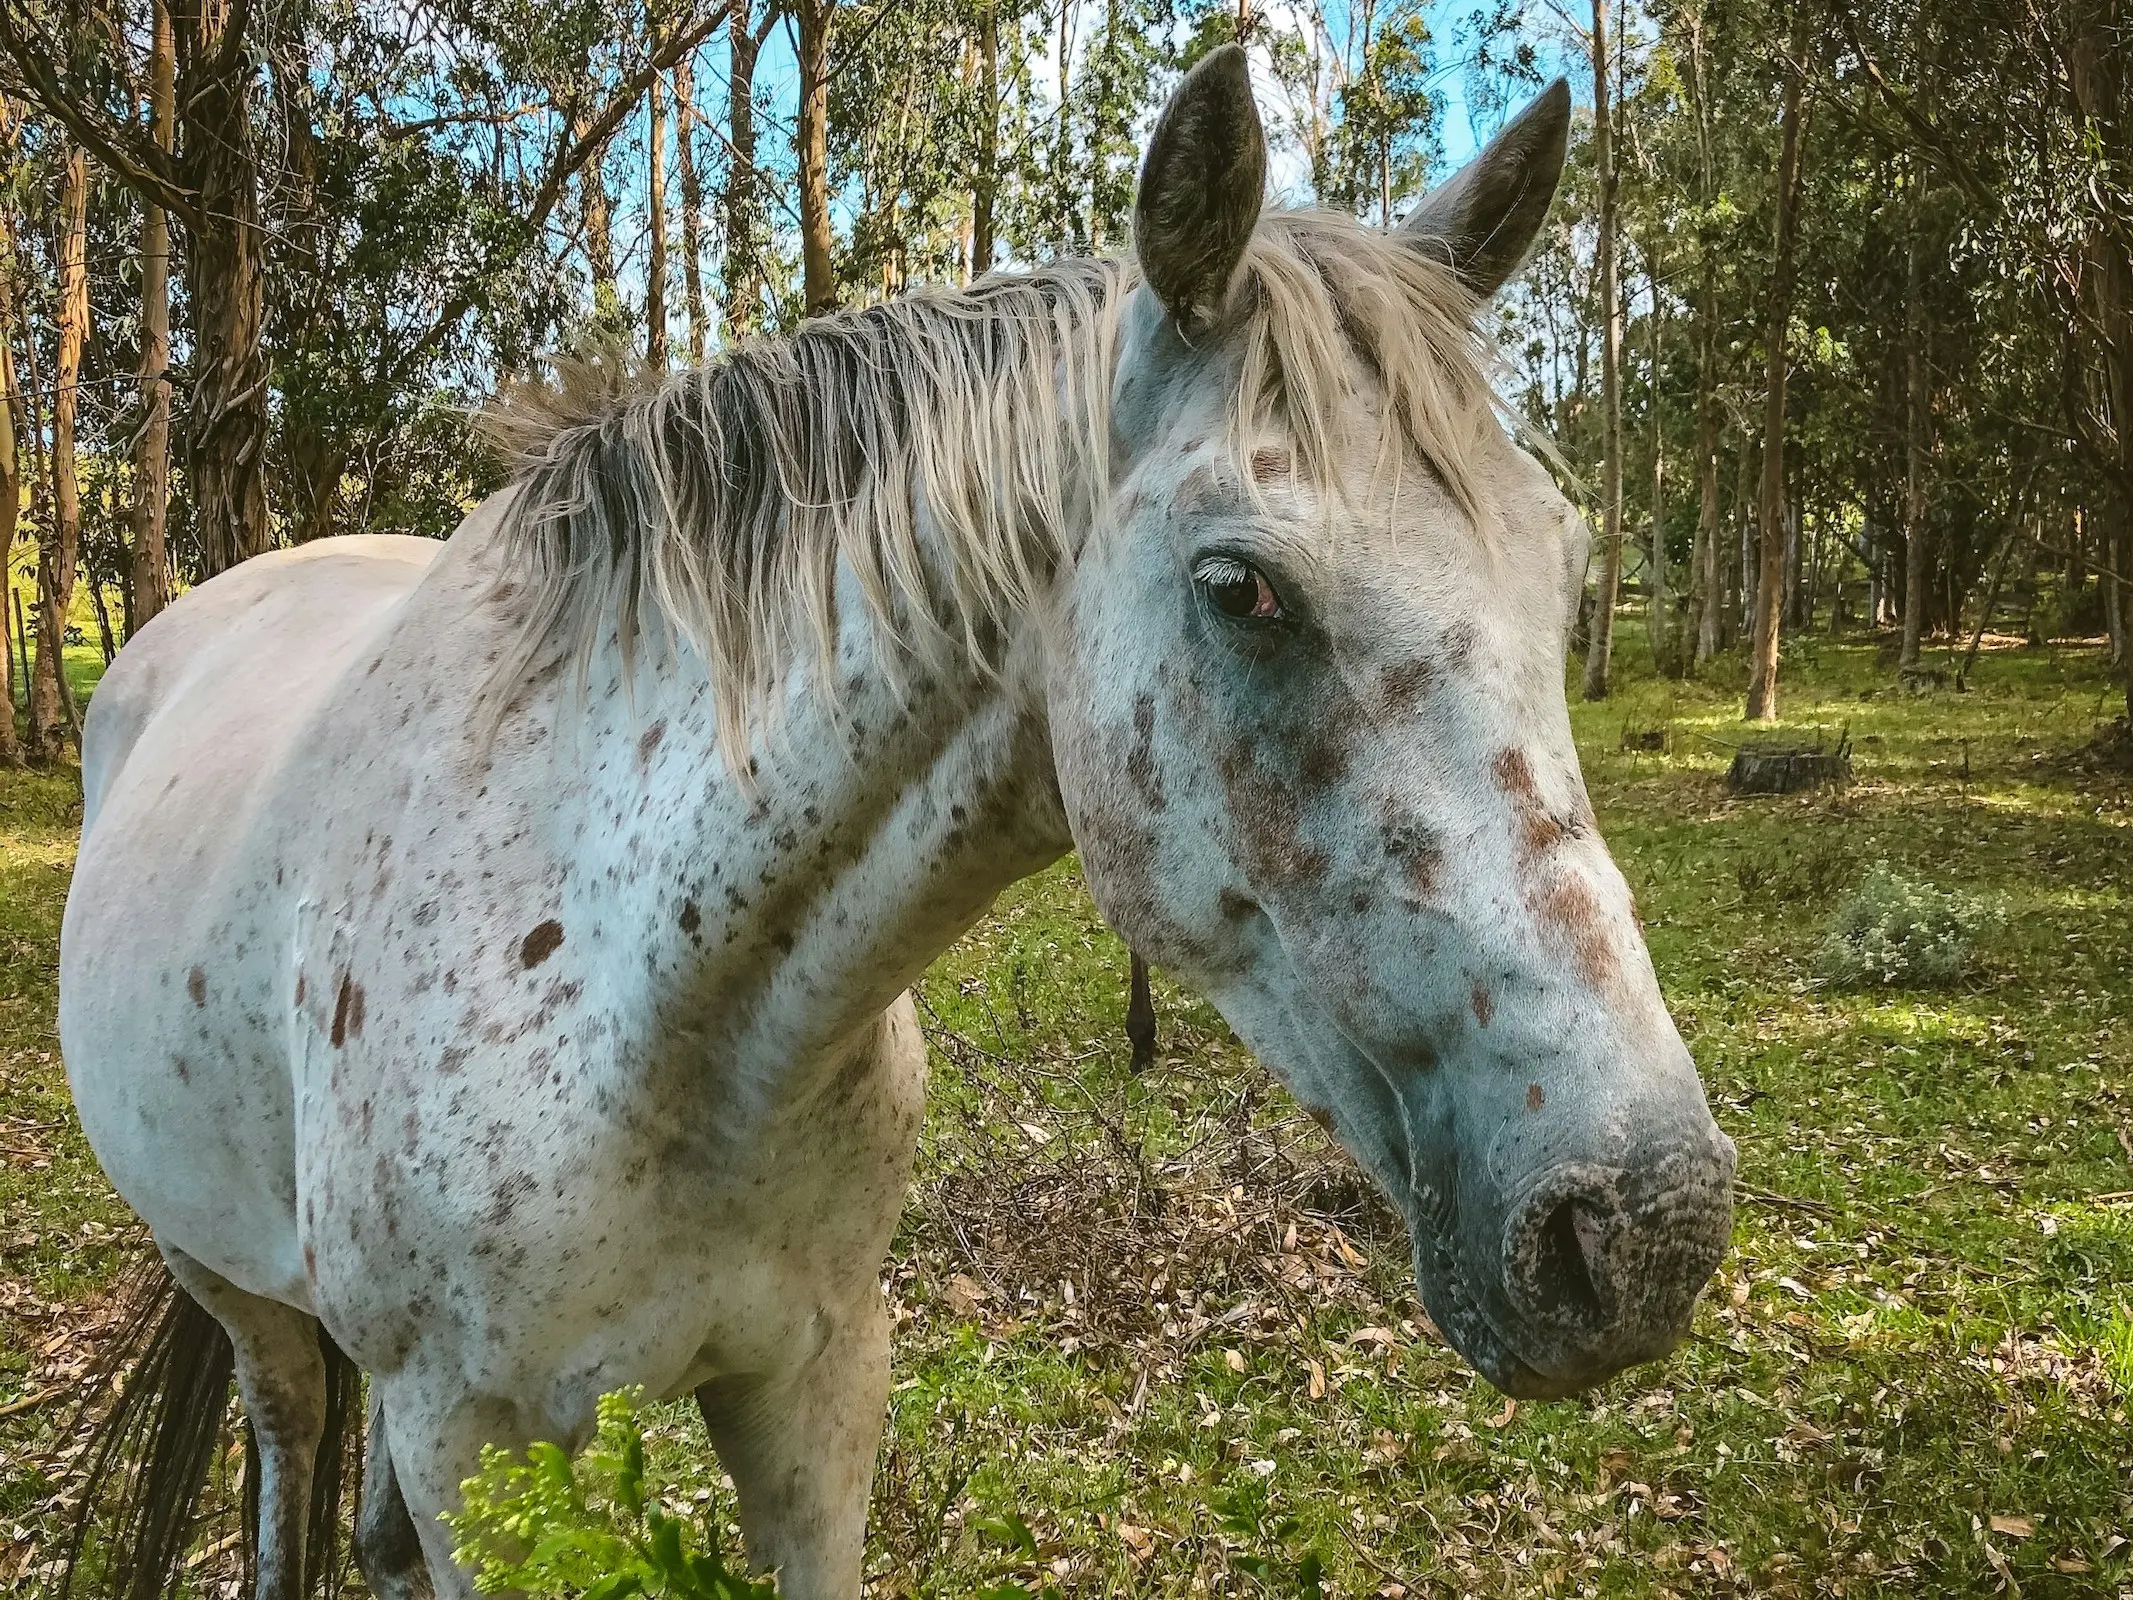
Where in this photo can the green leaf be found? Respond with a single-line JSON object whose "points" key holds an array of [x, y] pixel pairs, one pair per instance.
{"points": [[629, 1479], [1010, 1530], [665, 1546]]}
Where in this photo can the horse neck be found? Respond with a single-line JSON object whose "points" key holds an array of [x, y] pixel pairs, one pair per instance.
{"points": [[790, 907]]}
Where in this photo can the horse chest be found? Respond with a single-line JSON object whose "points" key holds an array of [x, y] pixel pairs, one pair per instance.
{"points": [[505, 1127]]}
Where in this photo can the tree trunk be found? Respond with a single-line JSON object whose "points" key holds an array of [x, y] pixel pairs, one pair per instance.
{"points": [[1917, 553], [1770, 512], [1662, 599], [743, 271], [1740, 593], [60, 548], [599, 236], [811, 145], [985, 180], [2097, 76], [225, 263], [692, 208], [316, 466], [1707, 588], [2114, 622], [1710, 610], [104, 632], [151, 451], [1795, 562], [11, 409], [655, 184], [1599, 654]]}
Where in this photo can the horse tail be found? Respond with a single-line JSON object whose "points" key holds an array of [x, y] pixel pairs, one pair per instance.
{"points": [[168, 1366], [336, 1474]]}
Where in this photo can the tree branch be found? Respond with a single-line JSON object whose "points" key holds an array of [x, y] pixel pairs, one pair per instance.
{"points": [[571, 157], [1928, 134], [125, 150]]}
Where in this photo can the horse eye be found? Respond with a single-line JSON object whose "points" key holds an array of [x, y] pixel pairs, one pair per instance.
{"points": [[1238, 589]]}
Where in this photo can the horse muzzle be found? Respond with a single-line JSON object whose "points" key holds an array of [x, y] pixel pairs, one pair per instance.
{"points": [[1586, 1268]]}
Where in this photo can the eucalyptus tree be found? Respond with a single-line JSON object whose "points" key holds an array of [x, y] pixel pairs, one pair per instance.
{"points": [[744, 194], [1599, 649], [81, 68], [60, 538], [811, 46]]}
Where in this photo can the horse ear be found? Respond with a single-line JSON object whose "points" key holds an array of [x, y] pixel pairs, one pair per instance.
{"points": [[1201, 187], [1482, 222]]}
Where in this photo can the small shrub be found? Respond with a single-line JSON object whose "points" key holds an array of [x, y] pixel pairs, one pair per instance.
{"points": [[1894, 931], [554, 1529]]}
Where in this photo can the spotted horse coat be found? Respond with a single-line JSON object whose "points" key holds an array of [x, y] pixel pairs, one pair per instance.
{"points": [[487, 960]]}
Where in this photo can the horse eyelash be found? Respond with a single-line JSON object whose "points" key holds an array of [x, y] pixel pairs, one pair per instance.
{"points": [[1214, 570]]}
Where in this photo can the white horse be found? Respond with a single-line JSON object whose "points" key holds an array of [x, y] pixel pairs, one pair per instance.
{"points": [[488, 958]]}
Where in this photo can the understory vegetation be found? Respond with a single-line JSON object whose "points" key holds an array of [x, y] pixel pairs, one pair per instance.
{"points": [[1157, 1337]]}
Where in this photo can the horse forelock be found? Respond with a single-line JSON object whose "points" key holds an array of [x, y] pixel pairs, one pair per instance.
{"points": [[934, 447]]}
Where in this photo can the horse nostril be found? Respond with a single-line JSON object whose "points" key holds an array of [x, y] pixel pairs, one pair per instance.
{"points": [[1571, 1259]]}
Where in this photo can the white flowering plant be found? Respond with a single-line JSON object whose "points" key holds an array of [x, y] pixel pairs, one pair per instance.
{"points": [[1895, 931]]}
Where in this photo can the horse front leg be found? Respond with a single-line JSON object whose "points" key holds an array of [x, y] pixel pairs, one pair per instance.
{"points": [[800, 1449], [388, 1548], [427, 1434]]}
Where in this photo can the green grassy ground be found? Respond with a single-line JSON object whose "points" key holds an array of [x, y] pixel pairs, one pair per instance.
{"points": [[1156, 1324]]}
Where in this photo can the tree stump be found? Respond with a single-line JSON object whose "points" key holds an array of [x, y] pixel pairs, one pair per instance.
{"points": [[1783, 769]]}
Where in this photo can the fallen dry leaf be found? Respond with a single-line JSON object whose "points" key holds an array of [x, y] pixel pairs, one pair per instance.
{"points": [[1316, 1388], [2013, 1527]]}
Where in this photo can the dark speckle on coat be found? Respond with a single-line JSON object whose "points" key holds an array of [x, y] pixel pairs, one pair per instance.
{"points": [[347, 1011], [1405, 683], [541, 943], [1140, 757]]}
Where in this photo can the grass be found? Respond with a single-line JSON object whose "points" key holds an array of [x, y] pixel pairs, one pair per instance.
{"points": [[1159, 1321]]}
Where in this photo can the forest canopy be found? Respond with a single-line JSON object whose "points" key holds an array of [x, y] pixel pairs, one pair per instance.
{"points": [[1830, 324]]}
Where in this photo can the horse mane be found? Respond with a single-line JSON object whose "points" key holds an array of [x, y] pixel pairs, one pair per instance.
{"points": [[935, 448]]}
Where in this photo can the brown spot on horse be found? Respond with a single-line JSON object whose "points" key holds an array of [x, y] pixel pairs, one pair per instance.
{"points": [[1539, 829], [1410, 848], [1270, 462], [1269, 820], [347, 1011], [540, 944], [1402, 686], [196, 986], [1568, 907], [1482, 1001], [1140, 759]]}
